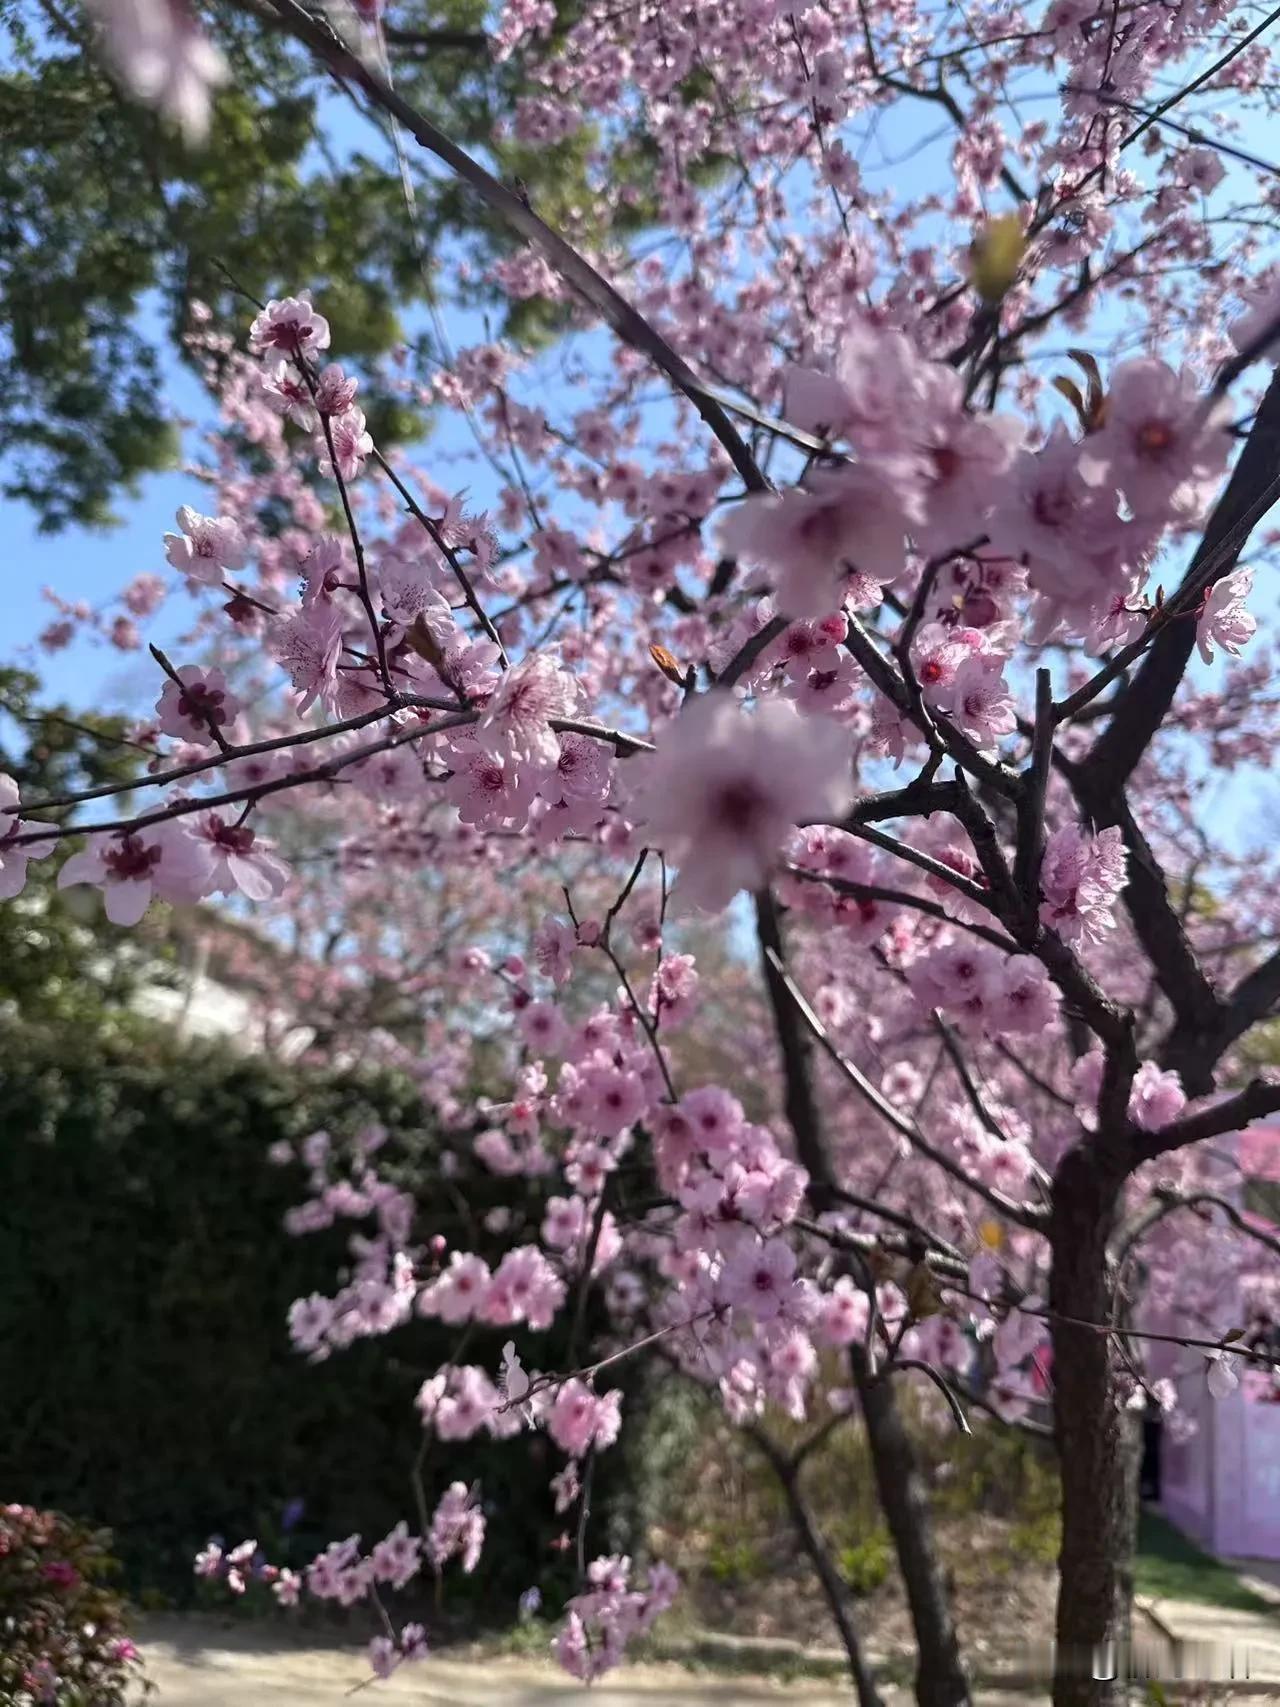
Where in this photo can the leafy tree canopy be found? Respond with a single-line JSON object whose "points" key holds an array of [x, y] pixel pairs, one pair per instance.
{"points": [[110, 229]]}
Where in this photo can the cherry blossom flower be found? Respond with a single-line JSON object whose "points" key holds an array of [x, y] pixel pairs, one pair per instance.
{"points": [[553, 946], [164, 860], [516, 722], [291, 326], [488, 792], [287, 1588], [1080, 879], [758, 1278], [309, 644], [164, 58], [1156, 1097], [239, 860], [1045, 511], [347, 444], [13, 858], [524, 1288], [578, 1420], [396, 1559], [383, 1656], [979, 700], [287, 393], [1159, 436], [847, 521], [725, 787], [196, 705], [457, 1526], [206, 547], [1224, 621], [457, 1294]]}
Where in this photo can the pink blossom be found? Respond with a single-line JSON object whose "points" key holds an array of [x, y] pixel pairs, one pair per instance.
{"points": [[383, 1656], [290, 325], [308, 645], [673, 991], [553, 946], [240, 860], [14, 859], [1080, 880], [524, 1288], [196, 705], [1043, 515], [144, 595], [758, 1278], [542, 1026], [459, 1292], [287, 1588], [413, 1642], [335, 390], [288, 394], [874, 397], [206, 547], [164, 58], [516, 723], [725, 786], [844, 1313], [131, 868], [578, 1420], [1159, 435], [851, 520], [457, 1526], [1156, 1097], [1224, 621], [347, 444], [1024, 1000], [310, 1320], [397, 1559], [978, 699], [459, 1403]]}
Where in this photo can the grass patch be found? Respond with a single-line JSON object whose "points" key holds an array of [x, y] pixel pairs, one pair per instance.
{"points": [[1170, 1567]]}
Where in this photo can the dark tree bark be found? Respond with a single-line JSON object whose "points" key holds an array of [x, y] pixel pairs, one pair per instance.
{"points": [[940, 1676], [834, 1588], [1093, 1431]]}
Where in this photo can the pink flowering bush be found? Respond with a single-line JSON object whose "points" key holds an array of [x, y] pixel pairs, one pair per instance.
{"points": [[874, 599], [63, 1633]]}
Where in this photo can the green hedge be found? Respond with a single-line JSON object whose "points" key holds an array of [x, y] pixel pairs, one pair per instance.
{"points": [[146, 1377]]}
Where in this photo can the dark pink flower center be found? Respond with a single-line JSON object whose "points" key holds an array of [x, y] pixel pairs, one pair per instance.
{"points": [[202, 704], [131, 861]]}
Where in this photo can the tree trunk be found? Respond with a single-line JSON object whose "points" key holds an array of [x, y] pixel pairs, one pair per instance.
{"points": [[940, 1677], [1095, 1438], [833, 1584]]}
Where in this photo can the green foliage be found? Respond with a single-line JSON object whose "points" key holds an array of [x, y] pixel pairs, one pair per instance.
{"points": [[144, 1284], [1169, 1566], [63, 1623], [110, 229], [60, 960], [867, 1564]]}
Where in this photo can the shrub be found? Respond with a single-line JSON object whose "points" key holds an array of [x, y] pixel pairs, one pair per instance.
{"points": [[144, 1285], [62, 1632]]}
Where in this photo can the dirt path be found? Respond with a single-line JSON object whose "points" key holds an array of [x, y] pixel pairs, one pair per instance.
{"points": [[200, 1663]]}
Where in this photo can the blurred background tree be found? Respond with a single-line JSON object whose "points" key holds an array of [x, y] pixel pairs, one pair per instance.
{"points": [[110, 229]]}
